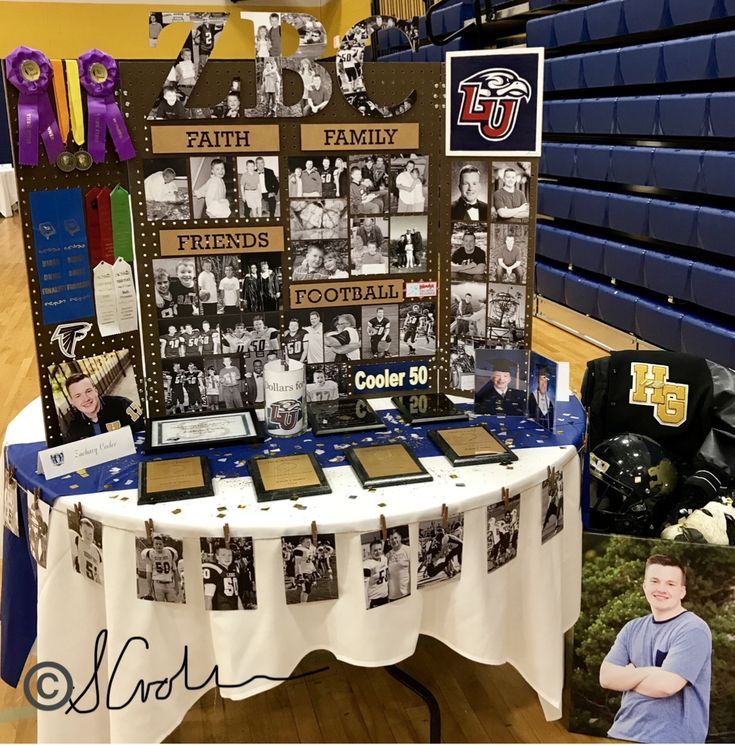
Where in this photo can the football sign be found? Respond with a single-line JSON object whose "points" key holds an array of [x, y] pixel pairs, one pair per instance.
{"points": [[494, 103]]}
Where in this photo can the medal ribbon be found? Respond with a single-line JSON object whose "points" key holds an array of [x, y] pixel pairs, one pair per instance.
{"points": [[75, 100], [99, 76], [122, 230], [62, 105], [30, 72]]}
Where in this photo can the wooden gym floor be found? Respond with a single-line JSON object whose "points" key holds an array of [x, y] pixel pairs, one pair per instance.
{"points": [[479, 703]]}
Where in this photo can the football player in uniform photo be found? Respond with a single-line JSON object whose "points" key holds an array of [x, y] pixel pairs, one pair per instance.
{"points": [[237, 339], [184, 289], [322, 389], [164, 299], [172, 343], [379, 332], [411, 327], [162, 571], [176, 383], [295, 341], [304, 557], [220, 578], [86, 556], [375, 575], [193, 381], [209, 340], [262, 337], [399, 567]]}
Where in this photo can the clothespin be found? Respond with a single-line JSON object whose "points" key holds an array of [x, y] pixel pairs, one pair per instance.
{"points": [[227, 534], [445, 516], [11, 473], [78, 511], [314, 536], [505, 493], [149, 530], [383, 528], [36, 496], [549, 472]]}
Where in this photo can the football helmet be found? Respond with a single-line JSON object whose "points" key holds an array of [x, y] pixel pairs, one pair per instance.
{"points": [[632, 480]]}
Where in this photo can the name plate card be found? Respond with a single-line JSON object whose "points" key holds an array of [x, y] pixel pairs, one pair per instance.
{"points": [[359, 137], [219, 138], [91, 451], [221, 240]]}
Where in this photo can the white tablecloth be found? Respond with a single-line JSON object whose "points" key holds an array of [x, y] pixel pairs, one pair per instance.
{"points": [[516, 614], [8, 190]]}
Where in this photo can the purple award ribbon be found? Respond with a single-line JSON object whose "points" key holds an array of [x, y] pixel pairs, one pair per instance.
{"points": [[30, 72], [99, 76]]}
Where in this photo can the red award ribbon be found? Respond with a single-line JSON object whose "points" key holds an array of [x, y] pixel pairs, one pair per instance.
{"points": [[94, 238], [104, 212]]}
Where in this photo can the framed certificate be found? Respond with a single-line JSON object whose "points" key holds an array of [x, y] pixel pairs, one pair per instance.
{"points": [[207, 430], [386, 465], [287, 476], [468, 446], [174, 478], [423, 408], [343, 415]]}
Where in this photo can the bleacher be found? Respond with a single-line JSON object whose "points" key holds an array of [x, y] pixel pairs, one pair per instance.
{"points": [[635, 226]]}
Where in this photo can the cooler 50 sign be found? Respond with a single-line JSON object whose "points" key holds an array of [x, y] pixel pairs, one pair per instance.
{"points": [[399, 376], [494, 103]]}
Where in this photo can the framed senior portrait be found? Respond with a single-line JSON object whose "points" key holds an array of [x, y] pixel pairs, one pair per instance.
{"points": [[170, 434]]}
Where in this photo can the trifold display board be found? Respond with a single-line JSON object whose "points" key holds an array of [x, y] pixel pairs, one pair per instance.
{"points": [[273, 216]]}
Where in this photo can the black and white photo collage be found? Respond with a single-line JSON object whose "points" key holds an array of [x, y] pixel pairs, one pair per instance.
{"points": [[357, 216], [218, 325], [489, 260], [270, 64], [219, 187]]}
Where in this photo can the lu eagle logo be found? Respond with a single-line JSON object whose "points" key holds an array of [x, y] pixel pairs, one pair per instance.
{"points": [[491, 100], [68, 335], [286, 414]]}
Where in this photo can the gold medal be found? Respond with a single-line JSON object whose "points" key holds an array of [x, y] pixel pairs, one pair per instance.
{"points": [[30, 70], [98, 72], [66, 162], [83, 160]]}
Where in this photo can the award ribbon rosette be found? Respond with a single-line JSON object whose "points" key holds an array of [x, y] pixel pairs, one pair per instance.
{"points": [[30, 72], [98, 74]]}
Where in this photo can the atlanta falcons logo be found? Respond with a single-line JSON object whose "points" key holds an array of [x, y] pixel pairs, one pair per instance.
{"points": [[68, 334], [285, 414], [491, 100]]}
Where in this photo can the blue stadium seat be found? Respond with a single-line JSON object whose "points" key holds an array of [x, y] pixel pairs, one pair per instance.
{"points": [[422, 28], [605, 20], [717, 173], [686, 11], [725, 54], [658, 324], [421, 54], [557, 159], [550, 282], [708, 340], [593, 162], [589, 207], [434, 53], [555, 200], [716, 230], [616, 308], [677, 169], [637, 115], [631, 165], [641, 64], [684, 115], [540, 32], [722, 114], [713, 287], [600, 69], [566, 73], [689, 59], [570, 27], [405, 55], [649, 15], [552, 242], [587, 252], [624, 263], [596, 115], [580, 294], [562, 116], [628, 214], [383, 36], [673, 222], [667, 274]]}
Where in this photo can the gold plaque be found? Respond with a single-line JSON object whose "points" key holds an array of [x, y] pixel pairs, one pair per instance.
{"points": [[375, 137], [175, 474], [380, 461], [98, 72], [469, 441], [370, 292], [30, 70], [220, 240], [222, 138], [287, 472]]}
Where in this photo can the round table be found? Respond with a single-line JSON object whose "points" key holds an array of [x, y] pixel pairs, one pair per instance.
{"points": [[517, 613]]}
